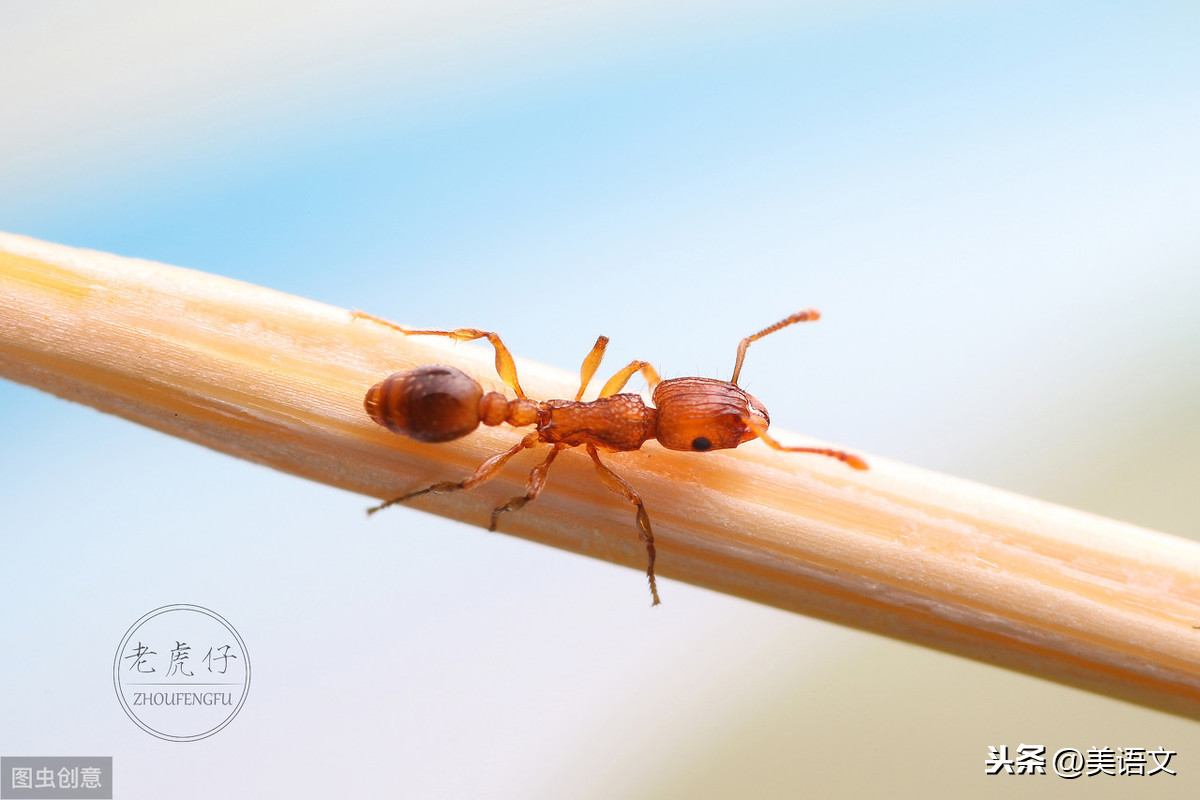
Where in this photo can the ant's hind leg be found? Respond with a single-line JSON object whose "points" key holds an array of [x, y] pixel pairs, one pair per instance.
{"points": [[617, 484], [537, 479], [506, 368], [485, 471], [387, 323]]}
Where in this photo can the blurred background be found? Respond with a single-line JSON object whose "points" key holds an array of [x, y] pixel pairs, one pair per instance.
{"points": [[996, 206]]}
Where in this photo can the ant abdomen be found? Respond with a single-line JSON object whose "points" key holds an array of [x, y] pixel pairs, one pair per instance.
{"points": [[432, 403], [700, 414]]}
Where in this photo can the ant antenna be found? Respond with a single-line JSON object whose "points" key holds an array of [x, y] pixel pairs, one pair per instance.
{"points": [[806, 315]]}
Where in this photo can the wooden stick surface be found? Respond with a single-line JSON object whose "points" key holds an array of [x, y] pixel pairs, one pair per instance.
{"points": [[280, 380]]}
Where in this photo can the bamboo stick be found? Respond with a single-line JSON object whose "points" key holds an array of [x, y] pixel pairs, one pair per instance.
{"points": [[930, 559]]}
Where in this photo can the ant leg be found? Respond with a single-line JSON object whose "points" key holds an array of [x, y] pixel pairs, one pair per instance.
{"points": [[807, 315], [485, 471], [505, 367], [617, 484], [847, 458], [537, 479], [590, 362], [387, 323], [617, 382]]}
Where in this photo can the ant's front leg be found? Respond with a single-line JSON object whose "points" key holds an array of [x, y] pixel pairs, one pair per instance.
{"points": [[617, 382]]}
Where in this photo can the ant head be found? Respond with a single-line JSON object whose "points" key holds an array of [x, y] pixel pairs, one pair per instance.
{"points": [[432, 403], [701, 414]]}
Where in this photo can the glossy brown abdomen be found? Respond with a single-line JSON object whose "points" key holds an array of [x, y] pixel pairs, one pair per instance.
{"points": [[619, 422], [432, 403]]}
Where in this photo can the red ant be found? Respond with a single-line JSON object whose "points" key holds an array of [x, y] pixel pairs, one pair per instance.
{"points": [[436, 403]]}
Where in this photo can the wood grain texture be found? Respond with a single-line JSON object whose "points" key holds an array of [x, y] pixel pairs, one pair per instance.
{"points": [[930, 559]]}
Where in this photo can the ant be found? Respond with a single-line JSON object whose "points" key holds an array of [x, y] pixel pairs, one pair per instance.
{"points": [[435, 403]]}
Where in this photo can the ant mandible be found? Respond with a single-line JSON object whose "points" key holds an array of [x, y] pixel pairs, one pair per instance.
{"points": [[435, 403]]}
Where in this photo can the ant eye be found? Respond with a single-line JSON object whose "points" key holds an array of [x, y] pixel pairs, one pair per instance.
{"points": [[701, 443]]}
